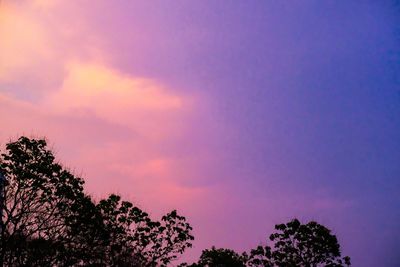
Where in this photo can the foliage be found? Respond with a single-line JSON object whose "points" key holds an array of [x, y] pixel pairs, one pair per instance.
{"points": [[310, 244], [135, 238], [219, 258], [295, 244], [48, 220], [38, 198], [260, 256]]}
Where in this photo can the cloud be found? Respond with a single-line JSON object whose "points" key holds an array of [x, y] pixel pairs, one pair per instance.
{"points": [[62, 69], [142, 105], [44, 4], [57, 81], [23, 44], [91, 85]]}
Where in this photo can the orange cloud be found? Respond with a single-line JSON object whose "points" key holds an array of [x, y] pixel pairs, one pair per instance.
{"points": [[59, 66], [89, 85], [86, 93], [139, 103], [60, 84], [44, 4], [23, 42]]}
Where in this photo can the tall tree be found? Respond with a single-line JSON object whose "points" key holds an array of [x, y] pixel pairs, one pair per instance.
{"points": [[39, 195], [136, 240], [48, 220]]}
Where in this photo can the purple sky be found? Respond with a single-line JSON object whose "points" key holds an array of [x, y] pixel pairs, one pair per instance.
{"points": [[239, 114]]}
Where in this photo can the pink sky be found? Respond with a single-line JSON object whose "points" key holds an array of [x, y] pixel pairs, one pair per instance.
{"points": [[210, 111], [121, 131]]}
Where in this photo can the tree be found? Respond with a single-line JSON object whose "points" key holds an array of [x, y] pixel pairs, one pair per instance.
{"points": [[38, 198], [220, 257], [296, 244], [136, 240], [86, 238], [48, 220]]}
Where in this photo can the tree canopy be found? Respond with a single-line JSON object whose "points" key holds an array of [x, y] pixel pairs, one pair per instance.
{"points": [[49, 220], [219, 258], [294, 244]]}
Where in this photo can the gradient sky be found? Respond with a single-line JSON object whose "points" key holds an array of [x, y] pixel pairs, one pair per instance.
{"points": [[240, 114]]}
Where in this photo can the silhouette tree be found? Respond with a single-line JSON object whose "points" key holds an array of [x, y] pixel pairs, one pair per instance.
{"points": [[85, 239], [220, 257], [48, 220], [296, 244], [38, 198], [136, 240]]}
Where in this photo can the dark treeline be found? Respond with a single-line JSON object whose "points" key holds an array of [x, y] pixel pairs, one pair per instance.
{"points": [[295, 244], [47, 219]]}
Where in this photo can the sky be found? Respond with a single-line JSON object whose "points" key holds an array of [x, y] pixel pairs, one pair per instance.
{"points": [[239, 114]]}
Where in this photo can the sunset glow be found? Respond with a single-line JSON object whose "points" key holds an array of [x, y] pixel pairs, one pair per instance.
{"points": [[239, 115]]}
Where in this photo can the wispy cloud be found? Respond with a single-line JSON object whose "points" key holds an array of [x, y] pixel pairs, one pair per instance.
{"points": [[56, 81]]}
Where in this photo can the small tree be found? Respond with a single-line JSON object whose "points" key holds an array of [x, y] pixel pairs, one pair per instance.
{"points": [[296, 244], [220, 257]]}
